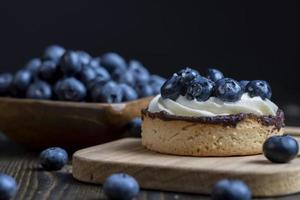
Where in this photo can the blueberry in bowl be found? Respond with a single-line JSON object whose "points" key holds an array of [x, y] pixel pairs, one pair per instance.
{"points": [[6, 80], [111, 92], [113, 61], [39, 90], [70, 89], [69, 98], [54, 52], [70, 63]]}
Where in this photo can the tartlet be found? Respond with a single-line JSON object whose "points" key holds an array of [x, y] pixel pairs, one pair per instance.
{"points": [[168, 129]]}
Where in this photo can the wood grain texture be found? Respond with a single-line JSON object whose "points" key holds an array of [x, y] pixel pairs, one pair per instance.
{"points": [[292, 130], [36, 184], [184, 174], [72, 125]]}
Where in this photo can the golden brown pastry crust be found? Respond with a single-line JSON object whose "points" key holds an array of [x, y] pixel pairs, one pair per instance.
{"points": [[241, 134]]}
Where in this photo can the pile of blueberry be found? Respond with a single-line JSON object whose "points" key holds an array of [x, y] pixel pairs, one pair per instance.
{"points": [[69, 75], [188, 82]]}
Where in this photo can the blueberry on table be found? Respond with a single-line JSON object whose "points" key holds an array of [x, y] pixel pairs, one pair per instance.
{"points": [[6, 80], [121, 186], [214, 74], [129, 93], [156, 82], [200, 88], [139, 72], [134, 127], [110, 92], [49, 71], [54, 158], [112, 61], [70, 89], [228, 90], [8, 187], [70, 63], [53, 52], [33, 65], [171, 89], [39, 90], [187, 75], [143, 89], [231, 190], [243, 84], [259, 88], [281, 149], [22, 79]]}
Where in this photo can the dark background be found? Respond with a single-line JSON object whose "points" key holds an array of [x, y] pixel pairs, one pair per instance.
{"points": [[246, 40]]}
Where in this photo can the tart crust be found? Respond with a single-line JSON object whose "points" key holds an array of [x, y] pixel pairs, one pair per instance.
{"points": [[230, 135]]}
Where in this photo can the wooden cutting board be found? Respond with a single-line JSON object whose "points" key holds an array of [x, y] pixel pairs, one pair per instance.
{"points": [[183, 173]]}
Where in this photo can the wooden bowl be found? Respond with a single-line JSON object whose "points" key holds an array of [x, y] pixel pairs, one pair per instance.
{"points": [[39, 124]]}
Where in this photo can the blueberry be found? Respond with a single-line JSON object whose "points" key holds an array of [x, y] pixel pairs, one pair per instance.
{"points": [[231, 190], [102, 76], [95, 62], [103, 73], [121, 186], [22, 79], [156, 82], [8, 187], [123, 77], [143, 90], [54, 158], [84, 57], [111, 92], [228, 89], [129, 93], [139, 72], [70, 89], [259, 88], [113, 61], [70, 63], [33, 65], [6, 80], [171, 89], [243, 84], [187, 75], [281, 149], [86, 74], [214, 74], [134, 127], [39, 90], [53, 52], [49, 71], [200, 88]]}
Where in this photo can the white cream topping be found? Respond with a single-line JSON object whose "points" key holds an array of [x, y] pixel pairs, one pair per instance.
{"points": [[213, 106]]}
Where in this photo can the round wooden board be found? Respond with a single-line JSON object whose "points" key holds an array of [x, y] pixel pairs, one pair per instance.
{"points": [[182, 173]]}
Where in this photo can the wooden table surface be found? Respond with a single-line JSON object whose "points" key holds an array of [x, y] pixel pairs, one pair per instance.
{"points": [[34, 183]]}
